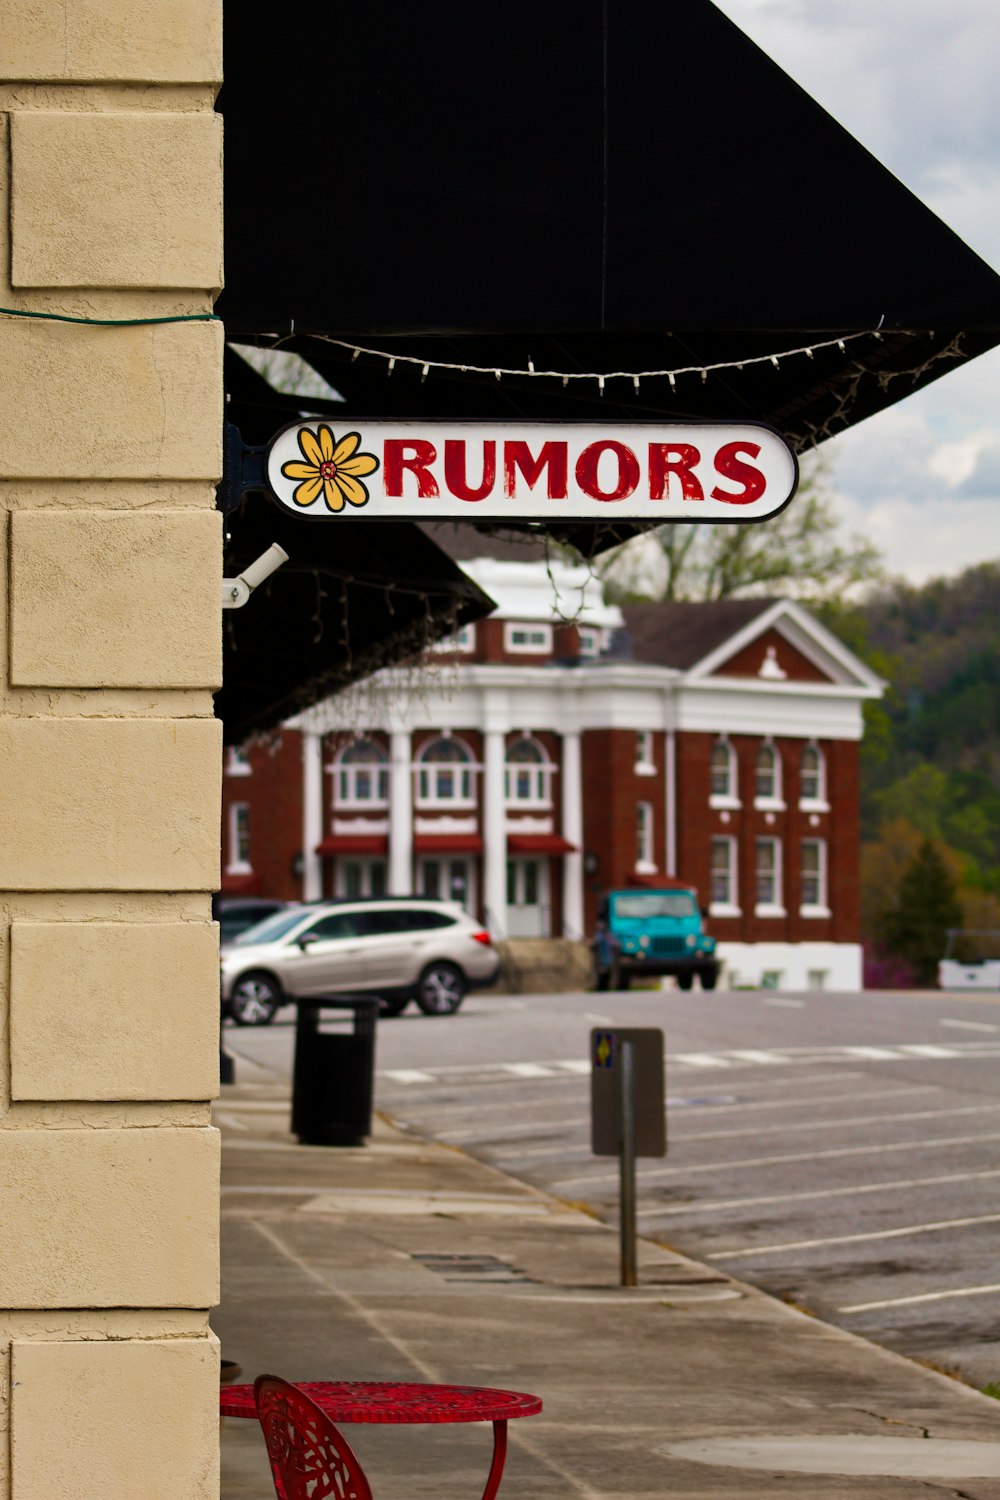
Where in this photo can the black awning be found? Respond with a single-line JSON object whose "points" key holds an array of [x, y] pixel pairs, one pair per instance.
{"points": [[588, 185], [348, 601]]}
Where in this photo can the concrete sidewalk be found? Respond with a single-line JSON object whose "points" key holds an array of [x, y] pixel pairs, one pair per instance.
{"points": [[406, 1260]]}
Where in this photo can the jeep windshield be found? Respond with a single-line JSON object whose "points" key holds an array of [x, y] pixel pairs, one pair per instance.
{"points": [[646, 904]]}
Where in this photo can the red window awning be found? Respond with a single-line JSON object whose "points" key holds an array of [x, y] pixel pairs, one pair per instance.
{"points": [[539, 843], [354, 843], [448, 843]]}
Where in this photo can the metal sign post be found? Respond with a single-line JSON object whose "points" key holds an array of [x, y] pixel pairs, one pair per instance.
{"points": [[628, 1116], [626, 1208]]}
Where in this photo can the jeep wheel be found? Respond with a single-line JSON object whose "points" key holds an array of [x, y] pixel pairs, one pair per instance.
{"points": [[685, 981]]}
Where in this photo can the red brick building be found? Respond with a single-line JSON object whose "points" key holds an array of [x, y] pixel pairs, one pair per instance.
{"points": [[546, 756]]}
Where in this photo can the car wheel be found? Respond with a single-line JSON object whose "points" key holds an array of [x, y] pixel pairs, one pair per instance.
{"points": [[685, 981], [254, 1000], [393, 1005], [441, 989], [708, 979]]}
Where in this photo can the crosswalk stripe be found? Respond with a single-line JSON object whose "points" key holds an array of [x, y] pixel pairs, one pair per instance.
{"points": [[920, 1050]]}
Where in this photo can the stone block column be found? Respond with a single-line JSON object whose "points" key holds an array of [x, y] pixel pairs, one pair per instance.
{"points": [[110, 649]]}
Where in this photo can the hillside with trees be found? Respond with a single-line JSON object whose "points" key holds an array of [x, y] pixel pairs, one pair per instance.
{"points": [[931, 764]]}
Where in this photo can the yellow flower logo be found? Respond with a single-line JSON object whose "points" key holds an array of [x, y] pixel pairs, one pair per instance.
{"points": [[331, 469]]}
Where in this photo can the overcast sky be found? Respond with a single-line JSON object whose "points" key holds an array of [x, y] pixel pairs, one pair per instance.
{"points": [[916, 82]]}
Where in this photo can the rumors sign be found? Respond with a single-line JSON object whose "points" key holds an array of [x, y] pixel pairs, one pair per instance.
{"points": [[536, 471]]}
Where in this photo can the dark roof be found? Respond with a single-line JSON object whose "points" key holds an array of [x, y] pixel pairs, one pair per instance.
{"points": [[682, 633], [463, 541], [587, 186]]}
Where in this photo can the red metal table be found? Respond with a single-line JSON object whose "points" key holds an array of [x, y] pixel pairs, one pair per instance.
{"points": [[397, 1401]]}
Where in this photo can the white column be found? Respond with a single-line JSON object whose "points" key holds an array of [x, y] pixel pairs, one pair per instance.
{"points": [[572, 829], [312, 814], [670, 773], [494, 831], [400, 814]]}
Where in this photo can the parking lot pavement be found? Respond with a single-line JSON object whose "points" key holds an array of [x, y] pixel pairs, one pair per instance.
{"points": [[405, 1259]]}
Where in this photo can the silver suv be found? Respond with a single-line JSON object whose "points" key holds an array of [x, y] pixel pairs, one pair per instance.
{"points": [[399, 948]]}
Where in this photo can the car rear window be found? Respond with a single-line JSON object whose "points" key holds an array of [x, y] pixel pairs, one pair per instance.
{"points": [[401, 919]]}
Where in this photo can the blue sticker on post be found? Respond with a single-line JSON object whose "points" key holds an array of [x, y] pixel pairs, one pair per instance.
{"points": [[604, 1049]]}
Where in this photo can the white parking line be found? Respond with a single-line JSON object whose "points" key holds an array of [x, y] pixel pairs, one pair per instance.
{"points": [[839, 1124], [786, 1004], [925, 1049], [702, 1060], [854, 1239], [706, 1206], [963, 1291], [529, 1070], [877, 1053], [661, 1174], [765, 1058], [969, 1025], [408, 1075]]}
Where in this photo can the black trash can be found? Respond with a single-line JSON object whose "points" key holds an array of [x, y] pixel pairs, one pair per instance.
{"points": [[334, 1074]]}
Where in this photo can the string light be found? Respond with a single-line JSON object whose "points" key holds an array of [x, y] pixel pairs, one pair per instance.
{"points": [[600, 378]]}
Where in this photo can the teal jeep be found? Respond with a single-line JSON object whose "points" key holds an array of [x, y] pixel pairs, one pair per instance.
{"points": [[652, 932]]}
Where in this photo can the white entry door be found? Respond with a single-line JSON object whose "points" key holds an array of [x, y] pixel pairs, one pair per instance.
{"points": [[529, 913]]}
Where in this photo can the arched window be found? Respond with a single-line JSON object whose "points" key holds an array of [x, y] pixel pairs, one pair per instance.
{"points": [[812, 775], [722, 771], [528, 775], [444, 772], [767, 774], [362, 772]]}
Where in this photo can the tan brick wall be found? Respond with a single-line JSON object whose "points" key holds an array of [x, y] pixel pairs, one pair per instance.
{"points": [[110, 446]]}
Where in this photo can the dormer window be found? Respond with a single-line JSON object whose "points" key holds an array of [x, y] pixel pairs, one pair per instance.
{"points": [[362, 775], [527, 640]]}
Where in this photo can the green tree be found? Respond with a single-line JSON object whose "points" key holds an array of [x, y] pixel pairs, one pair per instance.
{"points": [[916, 928], [801, 553]]}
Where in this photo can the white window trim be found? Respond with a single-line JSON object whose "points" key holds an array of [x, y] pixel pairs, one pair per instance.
{"points": [[531, 648], [597, 638], [460, 644], [235, 767], [644, 862], [770, 908], [236, 866], [644, 765], [819, 908], [458, 767], [775, 801], [727, 908], [541, 773], [375, 769], [820, 803], [730, 800]]}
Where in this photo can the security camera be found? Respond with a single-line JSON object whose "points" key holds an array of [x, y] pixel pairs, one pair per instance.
{"points": [[236, 591]]}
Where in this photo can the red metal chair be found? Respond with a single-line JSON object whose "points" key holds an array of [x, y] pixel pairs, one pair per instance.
{"points": [[310, 1458]]}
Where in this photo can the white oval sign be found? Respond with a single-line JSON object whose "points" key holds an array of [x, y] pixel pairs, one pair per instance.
{"points": [[532, 471]]}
